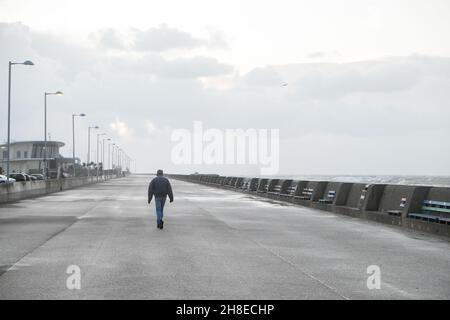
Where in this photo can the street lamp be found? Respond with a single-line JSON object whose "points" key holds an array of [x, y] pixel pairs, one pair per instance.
{"points": [[109, 155], [73, 138], [119, 159], [128, 164], [119, 163], [57, 93], [89, 146], [98, 136], [103, 152], [112, 156], [26, 63], [124, 160], [115, 156]]}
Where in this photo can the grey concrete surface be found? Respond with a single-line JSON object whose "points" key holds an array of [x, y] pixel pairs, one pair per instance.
{"points": [[216, 244]]}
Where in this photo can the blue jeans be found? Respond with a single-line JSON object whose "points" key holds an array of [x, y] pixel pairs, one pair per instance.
{"points": [[159, 203]]}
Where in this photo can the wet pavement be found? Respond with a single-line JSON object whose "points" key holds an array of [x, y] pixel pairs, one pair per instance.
{"points": [[216, 244]]}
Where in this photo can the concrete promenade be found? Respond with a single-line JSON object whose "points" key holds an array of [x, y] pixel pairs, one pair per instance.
{"points": [[216, 244]]}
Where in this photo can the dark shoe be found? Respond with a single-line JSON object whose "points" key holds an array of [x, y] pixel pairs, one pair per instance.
{"points": [[158, 225], [162, 224]]}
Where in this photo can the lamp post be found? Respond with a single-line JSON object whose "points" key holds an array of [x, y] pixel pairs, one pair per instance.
{"points": [[109, 157], [45, 168], [112, 156], [73, 138], [97, 153], [2, 150], [89, 148], [115, 158], [26, 63], [119, 162], [103, 152], [125, 161], [119, 156], [123, 157]]}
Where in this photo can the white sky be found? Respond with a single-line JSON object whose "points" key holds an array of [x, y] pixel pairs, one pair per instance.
{"points": [[260, 32], [141, 69]]}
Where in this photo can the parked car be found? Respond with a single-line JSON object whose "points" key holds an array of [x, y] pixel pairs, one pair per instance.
{"points": [[4, 179], [28, 177], [38, 176], [19, 176]]}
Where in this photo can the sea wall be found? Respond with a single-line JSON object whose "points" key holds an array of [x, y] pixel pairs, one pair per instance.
{"points": [[421, 208], [28, 189]]}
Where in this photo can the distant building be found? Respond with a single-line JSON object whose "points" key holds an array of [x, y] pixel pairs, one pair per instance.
{"points": [[28, 157]]}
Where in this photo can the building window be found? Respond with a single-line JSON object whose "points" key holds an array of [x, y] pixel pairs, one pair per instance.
{"points": [[5, 154], [18, 154], [37, 151], [53, 151], [25, 154]]}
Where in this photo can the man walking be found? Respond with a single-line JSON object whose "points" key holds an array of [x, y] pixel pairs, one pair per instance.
{"points": [[160, 188]]}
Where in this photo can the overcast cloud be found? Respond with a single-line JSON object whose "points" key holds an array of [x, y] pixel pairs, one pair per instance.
{"points": [[373, 116]]}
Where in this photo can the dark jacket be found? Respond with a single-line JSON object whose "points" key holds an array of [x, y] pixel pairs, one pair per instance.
{"points": [[160, 188]]}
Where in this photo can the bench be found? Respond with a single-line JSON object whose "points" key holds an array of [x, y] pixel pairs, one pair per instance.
{"points": [[246, 183], [239, 183], [211, 180], [428, 208], [263, 186], [330, 197], [306, 194], [253, 185], [424, 217], [290, 191], [398, 213], [276, 189], [226, 181], [232, 182]]}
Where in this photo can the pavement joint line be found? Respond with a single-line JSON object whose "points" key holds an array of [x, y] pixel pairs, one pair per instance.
{"points": [[295, 266], [392, 287], [77, 219]]}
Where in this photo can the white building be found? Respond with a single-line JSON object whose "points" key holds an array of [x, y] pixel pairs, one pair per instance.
{"points": [[28, 157]]}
